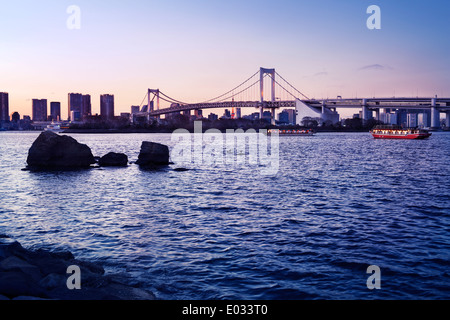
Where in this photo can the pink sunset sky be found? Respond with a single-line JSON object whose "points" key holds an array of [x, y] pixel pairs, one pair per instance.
{"points": [[196, 50]]}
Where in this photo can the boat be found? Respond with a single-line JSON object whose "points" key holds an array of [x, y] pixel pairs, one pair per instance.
{"points": [[304, 132], [54, 127], [397, 132]]}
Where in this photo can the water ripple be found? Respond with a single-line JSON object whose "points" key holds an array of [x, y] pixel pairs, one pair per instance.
{"points": [[339, 203]]}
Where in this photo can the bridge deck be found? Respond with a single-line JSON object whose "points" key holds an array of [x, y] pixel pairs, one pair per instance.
{"points": [[442, 104]]}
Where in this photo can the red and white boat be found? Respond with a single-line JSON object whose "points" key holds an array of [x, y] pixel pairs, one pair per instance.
{"points": [[397, 132]]}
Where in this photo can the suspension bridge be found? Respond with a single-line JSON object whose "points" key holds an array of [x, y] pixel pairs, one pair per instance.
{"points": [[252, 93]]}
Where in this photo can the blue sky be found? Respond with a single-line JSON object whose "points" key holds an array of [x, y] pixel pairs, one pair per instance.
{"points": [[194, 50]]}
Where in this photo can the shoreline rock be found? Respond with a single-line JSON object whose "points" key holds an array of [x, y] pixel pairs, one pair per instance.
{"points": [[153, 154], [41, 274], [53, 151], [113, 159]]}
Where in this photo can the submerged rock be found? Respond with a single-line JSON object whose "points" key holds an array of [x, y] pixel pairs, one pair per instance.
{"points": [[113, 159], [51, 150], [153, 153]]}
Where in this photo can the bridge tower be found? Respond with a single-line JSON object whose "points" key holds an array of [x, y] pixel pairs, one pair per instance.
{"points": [[263, 72], [150, 106]]}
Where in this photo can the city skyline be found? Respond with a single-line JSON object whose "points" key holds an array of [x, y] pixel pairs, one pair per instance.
{"points": [[200, 49]]}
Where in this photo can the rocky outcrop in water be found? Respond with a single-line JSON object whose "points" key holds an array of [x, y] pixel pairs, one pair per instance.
{"points": [[41, 274], [53, 151], [113, 159], [153, 154]]}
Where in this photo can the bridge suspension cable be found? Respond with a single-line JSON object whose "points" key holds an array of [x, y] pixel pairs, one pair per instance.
{"points": [[290, 86], [172, 99], [234, 89]]}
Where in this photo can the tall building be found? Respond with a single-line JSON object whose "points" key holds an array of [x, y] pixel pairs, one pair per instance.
{"points": [[411, 120], [288, 116], [422, 120], [107, 106], [283, 117], [75, 105], [238, 113], [86, 107], [55, 111], [39, 109], [135, 109], [4, 106]]}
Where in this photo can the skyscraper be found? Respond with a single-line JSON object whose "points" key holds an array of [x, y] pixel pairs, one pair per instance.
{"points": [[75, 104], [86, 105], [4, 106], [39, 109], [238, 113], [107, 106], [55, 111]]}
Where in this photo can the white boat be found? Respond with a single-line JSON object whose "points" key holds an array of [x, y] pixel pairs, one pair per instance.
{"points": [[54, 127], [304, 132]]}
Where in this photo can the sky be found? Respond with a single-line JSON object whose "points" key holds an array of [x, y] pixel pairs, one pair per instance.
{"points": [[196, 50]]}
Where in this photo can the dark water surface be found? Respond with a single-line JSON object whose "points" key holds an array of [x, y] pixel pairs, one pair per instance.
{"points": [[339, 203]]}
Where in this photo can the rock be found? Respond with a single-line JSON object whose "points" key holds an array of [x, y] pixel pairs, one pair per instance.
{"points": [[41, 274], [13, 263], [51, 150], [53, 281], [15, 283], [153, 153], [113, 159]]}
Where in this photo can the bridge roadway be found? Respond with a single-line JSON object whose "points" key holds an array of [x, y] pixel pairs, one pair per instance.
{"points": [[442, 104], [436, 105]]}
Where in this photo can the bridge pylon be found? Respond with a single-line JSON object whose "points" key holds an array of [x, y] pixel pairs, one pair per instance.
{"points": [[271, 72], [150, 106]]}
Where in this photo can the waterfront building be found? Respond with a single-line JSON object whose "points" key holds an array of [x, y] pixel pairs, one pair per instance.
{"points": [[134, 109], [406, 117], [422, 120], [253, 116], [391, 118], [198, 114], [75, 104], [411, 120], [4, 106], [287, 116], [283, 117], [227, 114], [213, 117], [55, 111], [107, 106], [39, 109], [15, 117], [238, 113], [86, 108]]}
